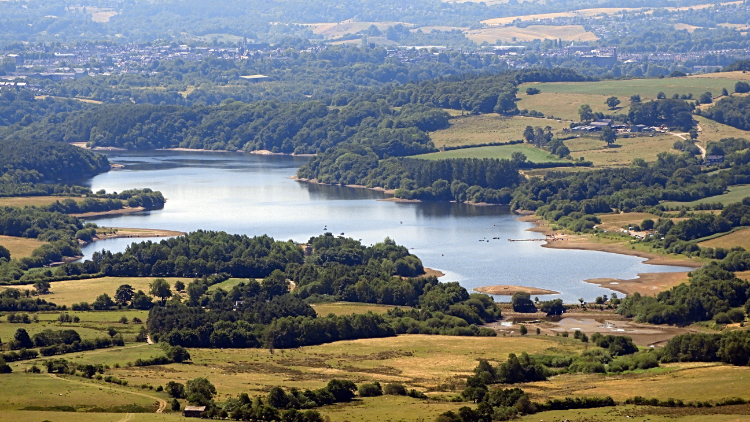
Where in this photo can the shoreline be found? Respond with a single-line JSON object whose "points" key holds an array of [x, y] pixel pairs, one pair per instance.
{"points": [[508, 290], [121, 211], [133, 233], [580, 242], [646, 284]]}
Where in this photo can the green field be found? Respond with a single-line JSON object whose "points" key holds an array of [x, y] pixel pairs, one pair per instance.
{"points": [[646, 88], [488, 128], [92, 324], [735, 194], [227, 284], [737, 238], [624, 151], [532, 153], [565, 106], [348, 308]]}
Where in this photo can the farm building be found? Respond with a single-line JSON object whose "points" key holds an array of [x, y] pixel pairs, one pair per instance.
{"points": [[194, 411], [712, 160]]}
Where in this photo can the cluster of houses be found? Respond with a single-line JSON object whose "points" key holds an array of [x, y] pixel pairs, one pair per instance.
{"points": [[600, 124]]}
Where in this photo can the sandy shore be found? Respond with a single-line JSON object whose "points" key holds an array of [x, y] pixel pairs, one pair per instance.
{"points": [[126, 210], [584, 242], [136, 233], [506, 290], [648, 284], [429, 272]]}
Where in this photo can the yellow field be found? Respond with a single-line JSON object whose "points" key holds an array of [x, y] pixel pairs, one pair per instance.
{"points": [[617, 221], [35, 201], [487, 128], [738, 238], [689, 28], [348, 308], [628, 149], [530, 33], [20, 247], [709, 130], [565, 106], [74, 291]]}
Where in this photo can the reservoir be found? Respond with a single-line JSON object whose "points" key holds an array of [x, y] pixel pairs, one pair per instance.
{"points": [[254, 194]]}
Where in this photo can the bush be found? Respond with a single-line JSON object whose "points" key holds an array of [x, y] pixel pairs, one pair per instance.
{"points": [[370, 390], [394, 389]]}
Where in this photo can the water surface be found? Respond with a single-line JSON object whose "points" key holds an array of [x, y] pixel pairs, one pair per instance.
{"points": [[254, 195]]}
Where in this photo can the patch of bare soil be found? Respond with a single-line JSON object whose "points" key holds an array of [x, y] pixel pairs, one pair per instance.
{"points": [[506, 290], [649, 284]]}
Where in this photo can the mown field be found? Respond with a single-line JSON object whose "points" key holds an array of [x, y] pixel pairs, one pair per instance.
{"points": [[74, 291], [348, 308], [20, 247], [487, 128], [532, 153], [737, 238], [92, 324], [734, 194], [36, 201]]}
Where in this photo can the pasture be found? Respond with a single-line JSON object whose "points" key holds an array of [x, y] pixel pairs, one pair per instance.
{"points": [[69, 292], [530, 33], [20, 247], [565, 106], [92, 324], [348, 308], [532, 153], [487, 128], [591, 148], [646, 88], [575, 13], [734, 194], [709, 130], [737, 238], [35, 201]]}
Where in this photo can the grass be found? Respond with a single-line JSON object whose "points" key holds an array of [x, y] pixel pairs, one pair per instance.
{"points": [[735, 194], [626, 150], [74, 291], [20, 247], [228, 284], [646, 88], [581, 12], [737, 238], [530, 33], [348, 308], [617, 221], [35, 201], [714, 131], [566, 106], [487, 128], [36, 416], [532, 153], [91, 326]]}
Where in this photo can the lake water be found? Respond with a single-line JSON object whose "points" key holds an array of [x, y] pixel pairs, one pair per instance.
{"points": [[254, 195]]}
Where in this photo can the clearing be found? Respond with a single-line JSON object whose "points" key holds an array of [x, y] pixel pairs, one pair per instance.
{"points": [[35, 201], [348, 308], [69, 292], [737, 238], [20, 247], [565, 106], [530, 33], [488, 128], [623, 152], [735, 194], [532, 153]]}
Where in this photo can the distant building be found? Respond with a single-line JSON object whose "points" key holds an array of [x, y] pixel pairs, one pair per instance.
{"points": [[255, 78], [602, 123], [712, 160], [193, 411]]}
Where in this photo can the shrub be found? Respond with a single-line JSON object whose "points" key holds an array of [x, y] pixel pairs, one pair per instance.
{"points": [[394, 389], [370, 390]]}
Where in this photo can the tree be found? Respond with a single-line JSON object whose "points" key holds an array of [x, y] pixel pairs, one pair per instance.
{"points": [[112, 331], [21, 340], [175, 389], [4, 253], [724, 92], [179, 286], [141, 301], [693, 133], [342, 390], [586, 113], [178, 354], [103, 302], [635, 98], [124, 294], [528, 134], [612, 102], [175, 405], [160, 288], [661, 95], [200, 391], [741, 87], [521, 302], [608, 135], [522, 329], [42, 287], [706, 98]]}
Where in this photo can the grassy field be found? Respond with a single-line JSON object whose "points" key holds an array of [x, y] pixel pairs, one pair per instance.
{"points": [[565, 106], [646, 88], [582, 12], [738, 238], [33, 200], [487, 128], [532, 153], [228, 284], [74, 291], [626, 150], [348, 308], [715, 131], [92, 324], [20, 247], [617, 221], [735, 194], [530, 33]]}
